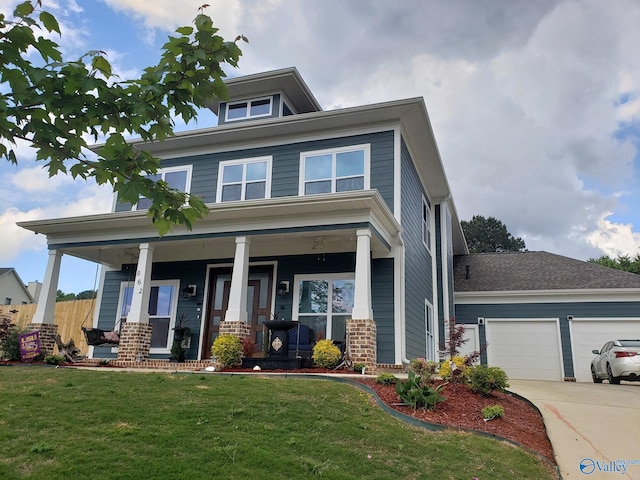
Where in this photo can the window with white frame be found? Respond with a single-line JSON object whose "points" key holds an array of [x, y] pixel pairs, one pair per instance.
{"points": [[163, 302], [260, 107], [336, 170], [324, 303], [429, 331], [426, 222], [246, 179], [176, 177]]}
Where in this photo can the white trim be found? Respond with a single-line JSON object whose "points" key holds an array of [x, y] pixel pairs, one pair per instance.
{"points": [[366, 147], [431, 351], [446, 312], [163, 171], [427, 242], [554, 296], [244, 162], [247, 104], [397, 173]]}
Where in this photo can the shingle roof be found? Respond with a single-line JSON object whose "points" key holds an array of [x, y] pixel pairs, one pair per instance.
{"points": [[513, 271]]}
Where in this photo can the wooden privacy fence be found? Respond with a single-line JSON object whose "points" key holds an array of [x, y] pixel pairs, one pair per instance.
{"points": [[69, 316]]}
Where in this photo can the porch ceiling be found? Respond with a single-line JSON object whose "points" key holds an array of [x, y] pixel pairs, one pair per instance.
{"points": [[280, 226]]}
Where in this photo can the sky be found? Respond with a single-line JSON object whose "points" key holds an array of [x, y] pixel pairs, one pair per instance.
{"points": [[535, 106]]}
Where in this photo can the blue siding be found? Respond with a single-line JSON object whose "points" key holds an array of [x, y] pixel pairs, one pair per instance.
{"points": [[286, 165], [383, 308], [418, 261], [469, 314]]}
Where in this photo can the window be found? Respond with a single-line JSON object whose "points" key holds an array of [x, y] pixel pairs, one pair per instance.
{"points": [[426, 223], [324, 303], [260, 107], [163, 300], [244, 179], [337, 170], [430, 339], [176, 177]]}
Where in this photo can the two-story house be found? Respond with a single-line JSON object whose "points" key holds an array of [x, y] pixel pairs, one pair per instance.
{"points": [[342, 220]]}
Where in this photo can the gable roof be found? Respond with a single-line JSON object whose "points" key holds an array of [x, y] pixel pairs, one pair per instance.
{"points": [[527, 271], [8, 271]]}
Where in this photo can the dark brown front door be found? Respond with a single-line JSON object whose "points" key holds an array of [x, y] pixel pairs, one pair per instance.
{"points": [[258, 303]]}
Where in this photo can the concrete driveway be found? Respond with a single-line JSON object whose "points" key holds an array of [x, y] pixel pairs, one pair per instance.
{"points": [[594, 428]]}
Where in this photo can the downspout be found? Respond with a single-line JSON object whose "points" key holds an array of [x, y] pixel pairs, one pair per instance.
{"points": [[400, 290]]}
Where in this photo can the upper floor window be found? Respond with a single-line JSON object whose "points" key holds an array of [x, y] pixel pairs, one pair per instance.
{"points": [[177, 177], [247, 179], [426, 222], [260, 107], [335, 170]]}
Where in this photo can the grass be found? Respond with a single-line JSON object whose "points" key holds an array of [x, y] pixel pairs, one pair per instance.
{"points": [[66, 424]]}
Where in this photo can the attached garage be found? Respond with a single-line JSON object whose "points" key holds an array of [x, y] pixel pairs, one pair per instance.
{"points": [[589, 334], [525, 348]]}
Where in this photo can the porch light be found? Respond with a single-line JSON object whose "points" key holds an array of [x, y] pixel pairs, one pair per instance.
{"points": [[189, 291], [283, 288]]}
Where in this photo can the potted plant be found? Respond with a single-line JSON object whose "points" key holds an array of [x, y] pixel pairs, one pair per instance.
{"points": [[180, 333]]}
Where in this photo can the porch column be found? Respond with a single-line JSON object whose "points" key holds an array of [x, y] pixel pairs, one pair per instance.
{"points": [[361, 329], [237, 309], [362, 289], [43, 319], [135, 337]]}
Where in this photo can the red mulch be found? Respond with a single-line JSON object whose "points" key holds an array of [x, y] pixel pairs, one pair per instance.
{"points": [[521, 422]]}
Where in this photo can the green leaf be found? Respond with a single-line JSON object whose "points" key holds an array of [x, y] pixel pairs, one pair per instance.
{"points": [[185, 31], [23, 10], [101, 64], [49, 22]]}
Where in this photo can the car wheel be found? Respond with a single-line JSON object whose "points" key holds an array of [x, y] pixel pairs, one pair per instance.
{"points": [[612, 380], [593, 375]]}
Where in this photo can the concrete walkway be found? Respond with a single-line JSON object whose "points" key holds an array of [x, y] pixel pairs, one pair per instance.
{"points": [[594, 428]]}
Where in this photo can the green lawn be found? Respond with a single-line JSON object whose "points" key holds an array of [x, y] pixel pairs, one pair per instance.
{"points": [[65, 424]]}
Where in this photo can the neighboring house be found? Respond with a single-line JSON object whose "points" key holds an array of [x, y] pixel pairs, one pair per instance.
{"points": [[541, 314], [12, 289], [342, 220]]}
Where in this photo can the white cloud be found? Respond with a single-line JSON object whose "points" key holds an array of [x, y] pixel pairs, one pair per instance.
{"points": [[615, 239]]}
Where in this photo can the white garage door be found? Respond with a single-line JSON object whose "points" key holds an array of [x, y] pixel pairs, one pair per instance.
{"points": [[591, 334], [527, 349]]}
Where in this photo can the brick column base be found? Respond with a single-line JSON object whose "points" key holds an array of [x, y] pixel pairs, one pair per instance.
{"points": [[239, 329], [362, 342], [47, 332], [135, 342]]}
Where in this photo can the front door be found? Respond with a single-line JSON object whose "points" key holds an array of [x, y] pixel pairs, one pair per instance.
{"points": [[258, 304]]}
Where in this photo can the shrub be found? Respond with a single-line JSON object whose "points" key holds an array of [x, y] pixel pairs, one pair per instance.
{"points": [[386, 379], [10, 341], [54, 359], [491, 412], [423, 368], [227, 349], [357, 367], [484, 380], [248, 347], [416, 395], [457, 374], [326, 354]]}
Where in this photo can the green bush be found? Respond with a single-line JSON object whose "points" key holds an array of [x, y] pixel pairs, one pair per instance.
{"points": [[54, 359], [423, 368], [227, 349], [484, 380], [386, 379], [10, 341], [416, 395], [357, 367], [457, 374], [493, 411], [326, 354]]}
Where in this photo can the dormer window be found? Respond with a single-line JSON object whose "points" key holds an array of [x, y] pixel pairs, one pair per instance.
{"points": [[260, 107]]}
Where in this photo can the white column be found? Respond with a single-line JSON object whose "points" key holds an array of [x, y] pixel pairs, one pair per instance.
{"points": [[362, 290], [47, 300], [139, 311], [237, 308]]}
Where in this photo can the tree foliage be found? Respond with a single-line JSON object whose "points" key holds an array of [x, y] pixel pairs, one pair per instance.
{"points": [[490, 235], [66, 297], [623, 262], [55, 106]]}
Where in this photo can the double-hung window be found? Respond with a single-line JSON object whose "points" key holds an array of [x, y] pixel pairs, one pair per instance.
{"points": [[163, 301], [336, 170], [426, 223], [324, 303], [247, 179], [176, 177], [260, 107]]}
